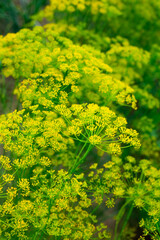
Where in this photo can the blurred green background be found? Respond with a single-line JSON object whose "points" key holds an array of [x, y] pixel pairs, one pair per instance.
{"points": [[15, 14]]}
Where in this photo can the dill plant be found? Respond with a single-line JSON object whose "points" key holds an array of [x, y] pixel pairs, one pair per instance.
{"points": [[74, 145]]}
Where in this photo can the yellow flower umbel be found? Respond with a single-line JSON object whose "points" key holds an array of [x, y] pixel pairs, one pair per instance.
{"points": [[98, 126], [57, 206], [56, 70]]}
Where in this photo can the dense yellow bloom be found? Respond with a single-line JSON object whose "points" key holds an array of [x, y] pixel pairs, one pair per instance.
{"points": [[23, 184], [53, 64], [99, 126], [5, 162], [93, 7], [8, 178]]}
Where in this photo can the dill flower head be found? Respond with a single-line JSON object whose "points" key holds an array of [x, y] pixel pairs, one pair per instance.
{"points": [[99, 126], [65, 215], [56, 71], [94, 139]]}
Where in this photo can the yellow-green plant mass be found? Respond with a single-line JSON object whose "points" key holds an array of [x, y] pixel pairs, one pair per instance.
{"points": [[81, 150]]}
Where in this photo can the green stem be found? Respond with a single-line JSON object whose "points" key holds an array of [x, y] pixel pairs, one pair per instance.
{"points": [[78, 156], [95, 209], [119, 217], [158, 228], [81, 159], [125, 222], [49, 208]]}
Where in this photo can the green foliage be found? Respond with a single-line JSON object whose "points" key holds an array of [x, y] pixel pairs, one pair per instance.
{"points": [[14, 14]]}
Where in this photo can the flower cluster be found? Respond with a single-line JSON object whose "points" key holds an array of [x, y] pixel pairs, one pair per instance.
{"points": [[132, 55], [99, 126], [138, 185], [111, 15], [56, 61], [71, 149]]}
